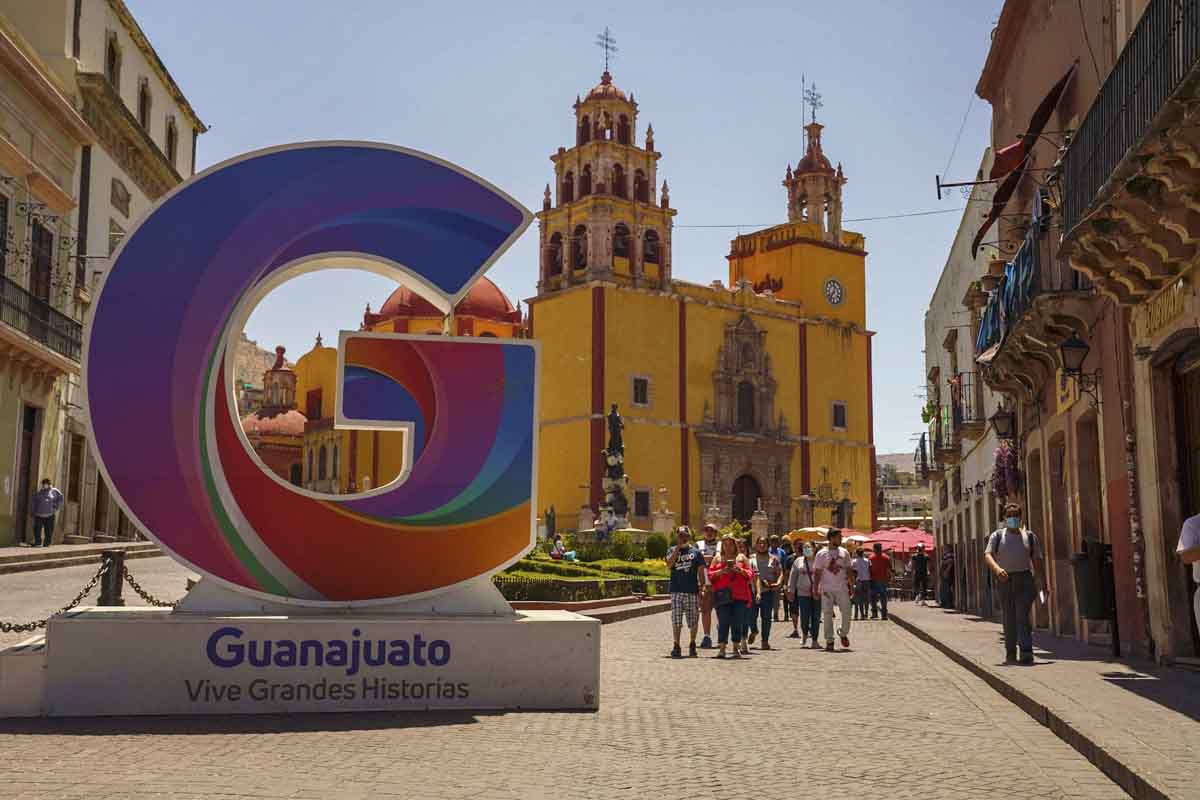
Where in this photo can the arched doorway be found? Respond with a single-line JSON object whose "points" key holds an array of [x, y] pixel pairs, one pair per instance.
{"points": [[746, 494]]}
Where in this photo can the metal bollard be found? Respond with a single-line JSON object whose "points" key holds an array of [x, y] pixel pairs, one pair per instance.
{"points": [[114, 578]]}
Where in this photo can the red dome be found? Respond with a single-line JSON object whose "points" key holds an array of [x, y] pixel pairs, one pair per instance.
{"points": [[605, 90], [274, 423], [484, 300]]}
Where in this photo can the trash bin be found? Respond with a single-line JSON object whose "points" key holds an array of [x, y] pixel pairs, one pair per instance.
{"points": [[1094, 588]]}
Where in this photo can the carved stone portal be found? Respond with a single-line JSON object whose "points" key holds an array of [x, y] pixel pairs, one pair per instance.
{"points": [[745, 453]]}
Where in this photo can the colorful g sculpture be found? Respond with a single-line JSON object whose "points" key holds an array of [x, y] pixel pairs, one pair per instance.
{"points": [[158, 357]]}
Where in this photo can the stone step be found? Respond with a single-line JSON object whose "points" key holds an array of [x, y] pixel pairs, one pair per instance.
{"points": [[609, 614], [25, 559]]}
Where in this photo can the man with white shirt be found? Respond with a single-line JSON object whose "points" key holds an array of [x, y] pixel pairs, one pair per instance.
{"points": [[832, 573], [1189, 553]]}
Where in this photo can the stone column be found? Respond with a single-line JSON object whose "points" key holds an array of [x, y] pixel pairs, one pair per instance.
{"points": [[587, 518]]}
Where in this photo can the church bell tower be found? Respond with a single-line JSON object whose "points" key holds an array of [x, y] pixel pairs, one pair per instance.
{"points": [[603, 219], [814, 189]]}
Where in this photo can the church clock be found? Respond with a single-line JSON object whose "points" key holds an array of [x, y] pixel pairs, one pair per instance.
{"points": [[835, 293]]}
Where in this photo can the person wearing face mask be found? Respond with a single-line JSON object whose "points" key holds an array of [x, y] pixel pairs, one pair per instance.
{"points": [[1012, 554], [802, 595], [833, 574]]}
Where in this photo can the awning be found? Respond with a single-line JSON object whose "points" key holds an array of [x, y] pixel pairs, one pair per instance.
{"points": [[1037, 124], [985, 358]]}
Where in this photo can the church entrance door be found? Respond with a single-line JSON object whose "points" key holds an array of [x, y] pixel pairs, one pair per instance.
{"points": [[746, 494]]}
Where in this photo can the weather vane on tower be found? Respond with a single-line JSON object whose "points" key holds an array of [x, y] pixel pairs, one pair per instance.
{"points": [[608, 44]]}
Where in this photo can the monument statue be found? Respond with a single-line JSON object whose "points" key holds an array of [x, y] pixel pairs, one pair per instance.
{"points": [[551, 522], [615, 479], [616, 441]]}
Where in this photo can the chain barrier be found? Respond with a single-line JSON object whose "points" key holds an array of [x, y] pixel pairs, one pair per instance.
{"points": [[142, 593], [29, 627]]}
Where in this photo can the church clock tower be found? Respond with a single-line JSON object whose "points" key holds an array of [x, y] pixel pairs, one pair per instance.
{"points": [[603, 219]]}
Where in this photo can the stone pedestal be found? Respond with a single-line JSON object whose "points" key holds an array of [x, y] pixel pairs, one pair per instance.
{"points": [[760, 524], [714, 515], [663, 521], [587, 518]]}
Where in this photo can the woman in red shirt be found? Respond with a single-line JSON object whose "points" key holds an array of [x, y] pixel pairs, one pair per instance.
{"points": [[731, 596]]}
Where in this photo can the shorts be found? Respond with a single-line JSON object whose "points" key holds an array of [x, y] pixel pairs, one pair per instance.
{"points": [[685, 603]]}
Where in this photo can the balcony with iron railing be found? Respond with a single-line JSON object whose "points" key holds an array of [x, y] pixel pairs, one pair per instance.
{"points": [[942, 443], [966, 406], [38, 320], [1127, 174]]}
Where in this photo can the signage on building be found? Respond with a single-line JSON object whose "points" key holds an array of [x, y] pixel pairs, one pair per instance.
{"points": [[160, 352], [1165, 307]]}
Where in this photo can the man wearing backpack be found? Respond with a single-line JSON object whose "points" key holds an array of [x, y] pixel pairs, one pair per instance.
{"points": [[1012, 554]]}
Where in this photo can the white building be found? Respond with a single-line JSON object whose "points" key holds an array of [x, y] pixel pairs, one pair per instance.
{"points": [[41, 137], [144, 133], [959, 445]]}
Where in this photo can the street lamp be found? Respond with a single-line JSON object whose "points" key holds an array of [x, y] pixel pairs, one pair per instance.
{"points": [[1004, 423], [1074, 352]]}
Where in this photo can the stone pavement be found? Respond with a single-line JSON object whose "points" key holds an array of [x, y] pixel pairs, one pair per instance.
{"points": [[26, 596], [893, 718], [1138, 722]]}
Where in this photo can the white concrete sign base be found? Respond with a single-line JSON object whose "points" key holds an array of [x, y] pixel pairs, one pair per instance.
{"points": [[118, 661]]}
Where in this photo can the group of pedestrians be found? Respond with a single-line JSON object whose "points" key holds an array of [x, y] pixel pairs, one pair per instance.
{"points": [[748, 589]]}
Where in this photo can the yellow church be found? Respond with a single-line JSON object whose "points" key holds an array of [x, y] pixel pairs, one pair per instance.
{"points": [[755, 393]]}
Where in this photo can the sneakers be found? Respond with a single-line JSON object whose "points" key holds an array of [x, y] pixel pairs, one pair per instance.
{"points": [[706, 643], [829, 647], [1026, 658], [765, 646], [805, 642], [845, 642], [750, 639], [794, 635], [692, 650], [745, 649], [676, 652]]}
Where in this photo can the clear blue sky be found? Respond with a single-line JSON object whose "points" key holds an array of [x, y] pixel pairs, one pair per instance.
{"points": [[490, 86]]}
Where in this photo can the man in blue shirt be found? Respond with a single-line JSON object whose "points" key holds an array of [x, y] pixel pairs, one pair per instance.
{"points": [[46, 503], [688, 574]]}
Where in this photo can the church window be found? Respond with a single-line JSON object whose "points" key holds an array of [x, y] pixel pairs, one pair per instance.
{"points": [[618, 187], [322, 463], [621, 241], [585, 181], [143, 103], [112, 61], [650, 248], [579, 248], [295, 477], [641, 188], [745, 406], [623, 135], [115, 234], [556, 254], [568, 187], [839, 416], [310, 465], [172, 141], [641, 391], [748, 355], [585, 130], [334, 472], [312, 404], [641, 502]]}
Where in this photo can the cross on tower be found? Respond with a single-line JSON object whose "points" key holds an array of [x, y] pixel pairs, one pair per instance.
{"points": [[608, 44], [812, 98]]}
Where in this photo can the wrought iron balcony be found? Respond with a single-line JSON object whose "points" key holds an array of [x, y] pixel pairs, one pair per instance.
{"points": [[966, 405], [1161, 53], [36, 319], [1128, 208]]}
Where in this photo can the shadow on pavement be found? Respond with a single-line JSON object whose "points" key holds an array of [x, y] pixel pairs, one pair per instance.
{"points": [[250, 724]]}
